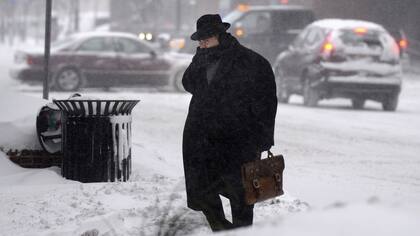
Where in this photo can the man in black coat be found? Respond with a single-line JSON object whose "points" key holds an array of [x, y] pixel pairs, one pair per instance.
{"points": [[230, 121]]}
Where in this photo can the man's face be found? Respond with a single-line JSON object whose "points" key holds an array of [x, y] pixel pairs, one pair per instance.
{"points": [[209, 42]]}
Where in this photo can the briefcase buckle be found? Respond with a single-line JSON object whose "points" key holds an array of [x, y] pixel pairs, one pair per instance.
{"points": [[278, 177], [256, 183]]}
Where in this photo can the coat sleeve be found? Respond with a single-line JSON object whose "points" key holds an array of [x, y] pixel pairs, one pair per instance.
{"points": [[264, 106], [188, 81]]}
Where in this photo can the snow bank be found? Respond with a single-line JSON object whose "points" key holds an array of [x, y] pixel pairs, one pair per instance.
{"points": [[7, 167], [18, 120], [362, 219], [12, 175]]}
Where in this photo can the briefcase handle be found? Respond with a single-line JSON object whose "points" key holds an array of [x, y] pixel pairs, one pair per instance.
{"points": [[271, 155]]}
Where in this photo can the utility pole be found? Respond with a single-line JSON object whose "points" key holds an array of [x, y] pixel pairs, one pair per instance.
{"points": [[47, 48]]}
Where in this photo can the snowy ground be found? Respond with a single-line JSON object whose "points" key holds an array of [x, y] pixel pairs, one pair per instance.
{"points": [[348, 172]]}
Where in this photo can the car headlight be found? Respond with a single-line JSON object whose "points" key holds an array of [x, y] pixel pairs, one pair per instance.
{"points": [[142, 36], [149, 36], [145, 36]]}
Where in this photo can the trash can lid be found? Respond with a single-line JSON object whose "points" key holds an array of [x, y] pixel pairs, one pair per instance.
{"points": [[80, 107]]}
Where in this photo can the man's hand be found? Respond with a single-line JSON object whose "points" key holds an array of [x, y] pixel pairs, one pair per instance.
{"points": [[199, 58]]}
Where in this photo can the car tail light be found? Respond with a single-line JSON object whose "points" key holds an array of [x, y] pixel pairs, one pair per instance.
{"points": [[328, 48], [403, 44], [360, 31], [397, 49], [29, 60]]}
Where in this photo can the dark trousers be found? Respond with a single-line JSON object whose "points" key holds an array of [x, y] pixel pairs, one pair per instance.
{"points": [[242, 214]]}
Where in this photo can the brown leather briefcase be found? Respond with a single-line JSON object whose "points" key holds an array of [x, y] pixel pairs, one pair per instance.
{"points": [[263, 179]]}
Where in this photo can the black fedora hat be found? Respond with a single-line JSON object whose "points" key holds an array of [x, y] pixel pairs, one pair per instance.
{"points": [[209, 25]]}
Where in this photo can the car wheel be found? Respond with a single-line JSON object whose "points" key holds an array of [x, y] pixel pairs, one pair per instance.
{"points": [[283, 94], [358, 103], [178, 86], [310, 95], [68, 80], [390, 102]]}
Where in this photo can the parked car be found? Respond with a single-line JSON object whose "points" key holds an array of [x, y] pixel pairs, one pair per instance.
{"points": [[266, 29], [102, 59], [333, 58]]}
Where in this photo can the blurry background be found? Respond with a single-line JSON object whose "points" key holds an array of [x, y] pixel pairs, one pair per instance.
{"points": [[22, 20], [345, 166]]}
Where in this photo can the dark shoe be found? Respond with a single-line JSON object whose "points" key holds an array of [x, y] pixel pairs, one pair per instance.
{"points": [[217, 222], [220, 225]]}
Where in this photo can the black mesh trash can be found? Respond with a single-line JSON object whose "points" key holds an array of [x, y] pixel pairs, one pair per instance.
{"points": [[96, 139]]}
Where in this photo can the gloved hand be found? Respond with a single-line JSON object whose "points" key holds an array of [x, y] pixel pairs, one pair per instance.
{"points": [[200, 58]]}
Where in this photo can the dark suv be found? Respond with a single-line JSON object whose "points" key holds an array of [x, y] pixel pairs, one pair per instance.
{"points": [[266, 29], [341, 58]]}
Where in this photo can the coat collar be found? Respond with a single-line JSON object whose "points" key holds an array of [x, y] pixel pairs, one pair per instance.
{"points": [[229, 56]]}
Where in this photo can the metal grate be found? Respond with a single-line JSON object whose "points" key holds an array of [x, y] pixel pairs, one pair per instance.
{"points": [[96, 107], [96, 139]]}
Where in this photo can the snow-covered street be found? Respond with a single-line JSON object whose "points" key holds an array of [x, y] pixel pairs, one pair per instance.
{"points": [[348, 172]]}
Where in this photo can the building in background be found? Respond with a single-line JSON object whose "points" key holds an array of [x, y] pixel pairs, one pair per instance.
{"points": [[392, 13], [22, 20], [176, 17], [158, 16]]}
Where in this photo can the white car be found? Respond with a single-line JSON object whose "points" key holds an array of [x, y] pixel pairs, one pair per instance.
{"points": [[333, 58]]}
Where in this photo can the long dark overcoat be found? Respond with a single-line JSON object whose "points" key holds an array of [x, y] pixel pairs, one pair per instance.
{"points": [[229, 121]]}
